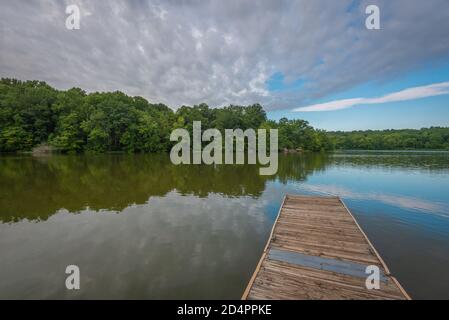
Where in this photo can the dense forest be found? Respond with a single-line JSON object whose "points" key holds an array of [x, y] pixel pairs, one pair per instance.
{"points": [[434, 138], [33, 113]]}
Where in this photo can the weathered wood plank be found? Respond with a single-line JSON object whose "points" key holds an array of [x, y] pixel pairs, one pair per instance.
{"points": [[318, 251], [361, 248], [388, 287]]}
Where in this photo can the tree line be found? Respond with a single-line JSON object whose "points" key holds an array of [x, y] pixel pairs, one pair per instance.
{"points": [[33, 113], [434, 138]]}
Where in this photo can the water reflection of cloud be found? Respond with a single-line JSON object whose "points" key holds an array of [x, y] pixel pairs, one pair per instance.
{"points": [[403, 202], [172, 247]]}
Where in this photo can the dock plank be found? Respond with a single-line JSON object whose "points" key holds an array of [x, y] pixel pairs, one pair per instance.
{"points": [[310, 229]]}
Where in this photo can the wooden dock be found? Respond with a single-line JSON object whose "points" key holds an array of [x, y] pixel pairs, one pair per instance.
{"points": [[317, 250]]}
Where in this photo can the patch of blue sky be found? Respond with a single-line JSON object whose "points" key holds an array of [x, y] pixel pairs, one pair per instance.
{"points": [[425, 75], [353, 5], [277, 83], [426, 112]]}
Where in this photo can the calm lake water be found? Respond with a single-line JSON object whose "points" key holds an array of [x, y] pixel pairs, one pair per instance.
{"points": [[139, 227]]}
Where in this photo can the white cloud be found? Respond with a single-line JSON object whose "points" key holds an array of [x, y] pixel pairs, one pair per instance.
{"points": [[404, 95], [219, 52]]}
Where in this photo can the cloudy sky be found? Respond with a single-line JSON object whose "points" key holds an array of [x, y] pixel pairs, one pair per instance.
{"points": [[309, 59]]}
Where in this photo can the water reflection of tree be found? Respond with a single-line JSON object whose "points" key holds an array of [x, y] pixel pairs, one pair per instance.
{"points": [[294, 167], [436, 162], [38, 187]]}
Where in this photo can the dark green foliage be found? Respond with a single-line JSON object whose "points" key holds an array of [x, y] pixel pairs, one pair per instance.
{"points": [[234, 117], [33, 113], [298, 134], [26, 114], [434, 138]]}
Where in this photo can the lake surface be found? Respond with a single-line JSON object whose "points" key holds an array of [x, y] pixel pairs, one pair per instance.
{"points": [[139, 227]]}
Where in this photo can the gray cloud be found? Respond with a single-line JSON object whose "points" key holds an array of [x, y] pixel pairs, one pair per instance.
{"points": [[219, 52]]}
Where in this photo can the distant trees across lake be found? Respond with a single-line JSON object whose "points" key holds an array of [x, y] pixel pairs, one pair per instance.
{"points": [[33, 113], [435, 138]]}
